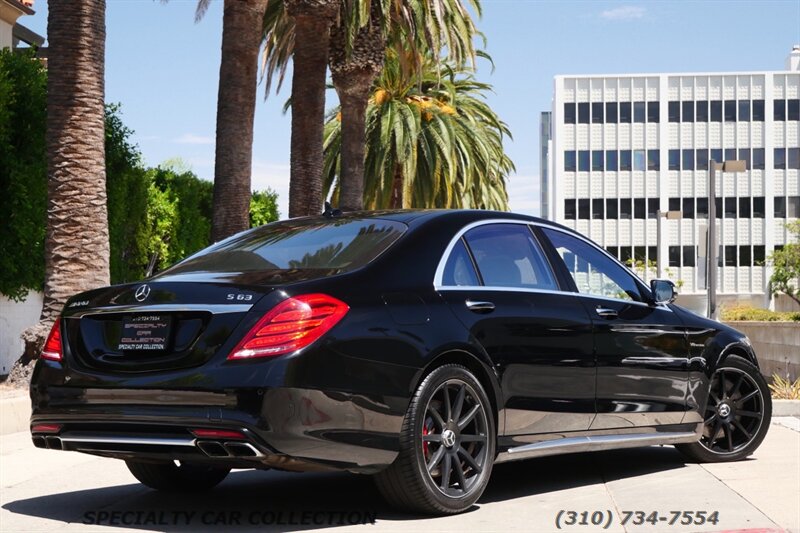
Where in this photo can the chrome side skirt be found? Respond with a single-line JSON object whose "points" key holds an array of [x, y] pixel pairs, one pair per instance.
{"points": [[594, 443]]}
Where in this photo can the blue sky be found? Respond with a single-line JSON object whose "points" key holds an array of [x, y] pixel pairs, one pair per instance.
{"points": [[163, 68]]}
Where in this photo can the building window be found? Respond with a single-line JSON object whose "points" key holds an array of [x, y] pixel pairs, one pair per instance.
{"points": [[625, 112], [730, 110], [793, 158], [730, 256], [640, 253], [674, 204], [759, 207], [716, 154], [701, 108], [611, 112], [597, 113], [744, 155], [688, 111], [688, 159], [793, 207], [639, 208], [570, 164], [674, 256], [611, 160], [744, 110], [569, 209], [689, 256], [701, 159], [638, 111], [652, 253], [718, 207], [779, 161], [625, 254], [744, 256], [758, 159], [744, 207], [625, 160], [613, 250], [730, 207], [652, 207], [730, 154], [758, 110], [583, 160], [716, 110], [674, 159], [779, 109], [702, 208], [583, 209], [688, 208], [638, 160], [583, 113], [674, 111], [653, 114], [597, 160], [759, 251], [611, 209], [780, 206], [653, 160], [625, 208], [597, 208], [793, 111], [569, 113]]}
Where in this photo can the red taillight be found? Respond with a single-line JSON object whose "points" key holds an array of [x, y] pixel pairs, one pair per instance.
{"points": [[217, 434], [52, 346], [46, 428], [291, 325]]}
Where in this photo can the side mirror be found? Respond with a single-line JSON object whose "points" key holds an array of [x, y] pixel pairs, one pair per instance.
{"points": [[663, 291]]}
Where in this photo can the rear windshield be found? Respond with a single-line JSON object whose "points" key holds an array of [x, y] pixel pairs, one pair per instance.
{"points": [[333, 245]]}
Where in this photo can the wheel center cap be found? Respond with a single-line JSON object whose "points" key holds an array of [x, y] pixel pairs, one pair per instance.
{"points": [[724, 410], [448, 438]]}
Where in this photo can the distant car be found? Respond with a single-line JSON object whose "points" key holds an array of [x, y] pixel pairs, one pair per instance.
{"points": [[418, 346]]}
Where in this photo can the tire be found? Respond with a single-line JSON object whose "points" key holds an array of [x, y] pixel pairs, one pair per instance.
{"points": [[737, 414], [443, 466], [169, 477]]}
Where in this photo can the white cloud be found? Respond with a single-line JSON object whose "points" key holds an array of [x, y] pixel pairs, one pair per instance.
{"points": [[623, 13], [523, 194], [191, 138]]}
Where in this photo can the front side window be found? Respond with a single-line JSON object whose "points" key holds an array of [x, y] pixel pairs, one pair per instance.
{"points": [[593, 271], [507, 255]]}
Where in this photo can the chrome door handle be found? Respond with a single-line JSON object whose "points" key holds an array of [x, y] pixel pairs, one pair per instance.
{"points": [[480, 307], [605, 312]]}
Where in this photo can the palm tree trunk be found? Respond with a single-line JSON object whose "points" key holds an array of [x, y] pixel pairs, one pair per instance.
{"points": [[312, 19], [398, 184], [236, 101], [76, 241], [353, 75]]}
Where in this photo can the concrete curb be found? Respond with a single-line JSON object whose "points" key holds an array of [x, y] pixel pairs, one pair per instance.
{"points": [[785, 407], [15, 413]]}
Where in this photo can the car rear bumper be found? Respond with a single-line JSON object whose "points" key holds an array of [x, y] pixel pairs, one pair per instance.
{"points": [[282, 427]]}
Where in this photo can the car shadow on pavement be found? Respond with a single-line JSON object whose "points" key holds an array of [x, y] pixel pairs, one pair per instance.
{"points": [[281, 501]]}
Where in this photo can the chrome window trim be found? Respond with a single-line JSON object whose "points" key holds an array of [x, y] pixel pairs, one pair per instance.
{"points": [[483, 288], [439, 275]]}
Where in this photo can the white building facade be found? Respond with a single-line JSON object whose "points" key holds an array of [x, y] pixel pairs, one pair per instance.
{"points": [[624, 147]]}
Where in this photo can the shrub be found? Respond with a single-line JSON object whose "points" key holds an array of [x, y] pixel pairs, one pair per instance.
{"points": [[744, 312], [783, 389]]}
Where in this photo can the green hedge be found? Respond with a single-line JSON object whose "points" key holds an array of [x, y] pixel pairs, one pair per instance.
{"points": [[746, 313]]}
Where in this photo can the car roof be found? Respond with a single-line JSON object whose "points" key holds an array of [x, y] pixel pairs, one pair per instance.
{"points": [[413, 217]]}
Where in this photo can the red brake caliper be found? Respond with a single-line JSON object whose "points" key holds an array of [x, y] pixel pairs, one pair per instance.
{"points": [[425, 431]]}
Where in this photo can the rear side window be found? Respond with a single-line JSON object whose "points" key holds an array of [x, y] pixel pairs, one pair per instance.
{"points": [[507, 255], [459, 272], [333, 245]]}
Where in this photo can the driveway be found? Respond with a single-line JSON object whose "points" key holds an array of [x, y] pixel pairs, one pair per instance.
{"points": [[64, 491]]}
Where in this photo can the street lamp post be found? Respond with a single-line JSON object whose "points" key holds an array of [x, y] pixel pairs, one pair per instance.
{"points": [[711, 266], [669, 215]]}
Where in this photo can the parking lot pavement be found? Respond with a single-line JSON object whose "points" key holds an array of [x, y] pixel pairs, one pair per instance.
{"points": [[56, 491]]}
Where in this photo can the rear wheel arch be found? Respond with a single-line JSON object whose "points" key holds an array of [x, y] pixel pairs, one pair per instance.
{"points": [[479, 369]]}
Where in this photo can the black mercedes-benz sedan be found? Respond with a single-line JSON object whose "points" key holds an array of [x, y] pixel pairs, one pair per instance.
{"points": [[420, 347]]}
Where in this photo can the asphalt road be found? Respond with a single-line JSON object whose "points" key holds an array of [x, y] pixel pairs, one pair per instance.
{"points": [[50, 491]]}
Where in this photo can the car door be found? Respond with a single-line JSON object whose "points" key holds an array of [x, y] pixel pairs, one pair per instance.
{"points": [[641, 348], [502, 287]]}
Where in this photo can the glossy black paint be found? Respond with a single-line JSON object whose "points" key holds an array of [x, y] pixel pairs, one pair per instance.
{"points": [[551, 368]]}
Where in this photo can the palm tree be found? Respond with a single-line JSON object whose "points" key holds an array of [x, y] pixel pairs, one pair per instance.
{"points": [[357, 46], [430, 141], [76, 240], [236, 99]]}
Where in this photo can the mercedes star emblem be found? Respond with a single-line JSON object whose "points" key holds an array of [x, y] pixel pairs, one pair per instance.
{"points": [[142, 293]]}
